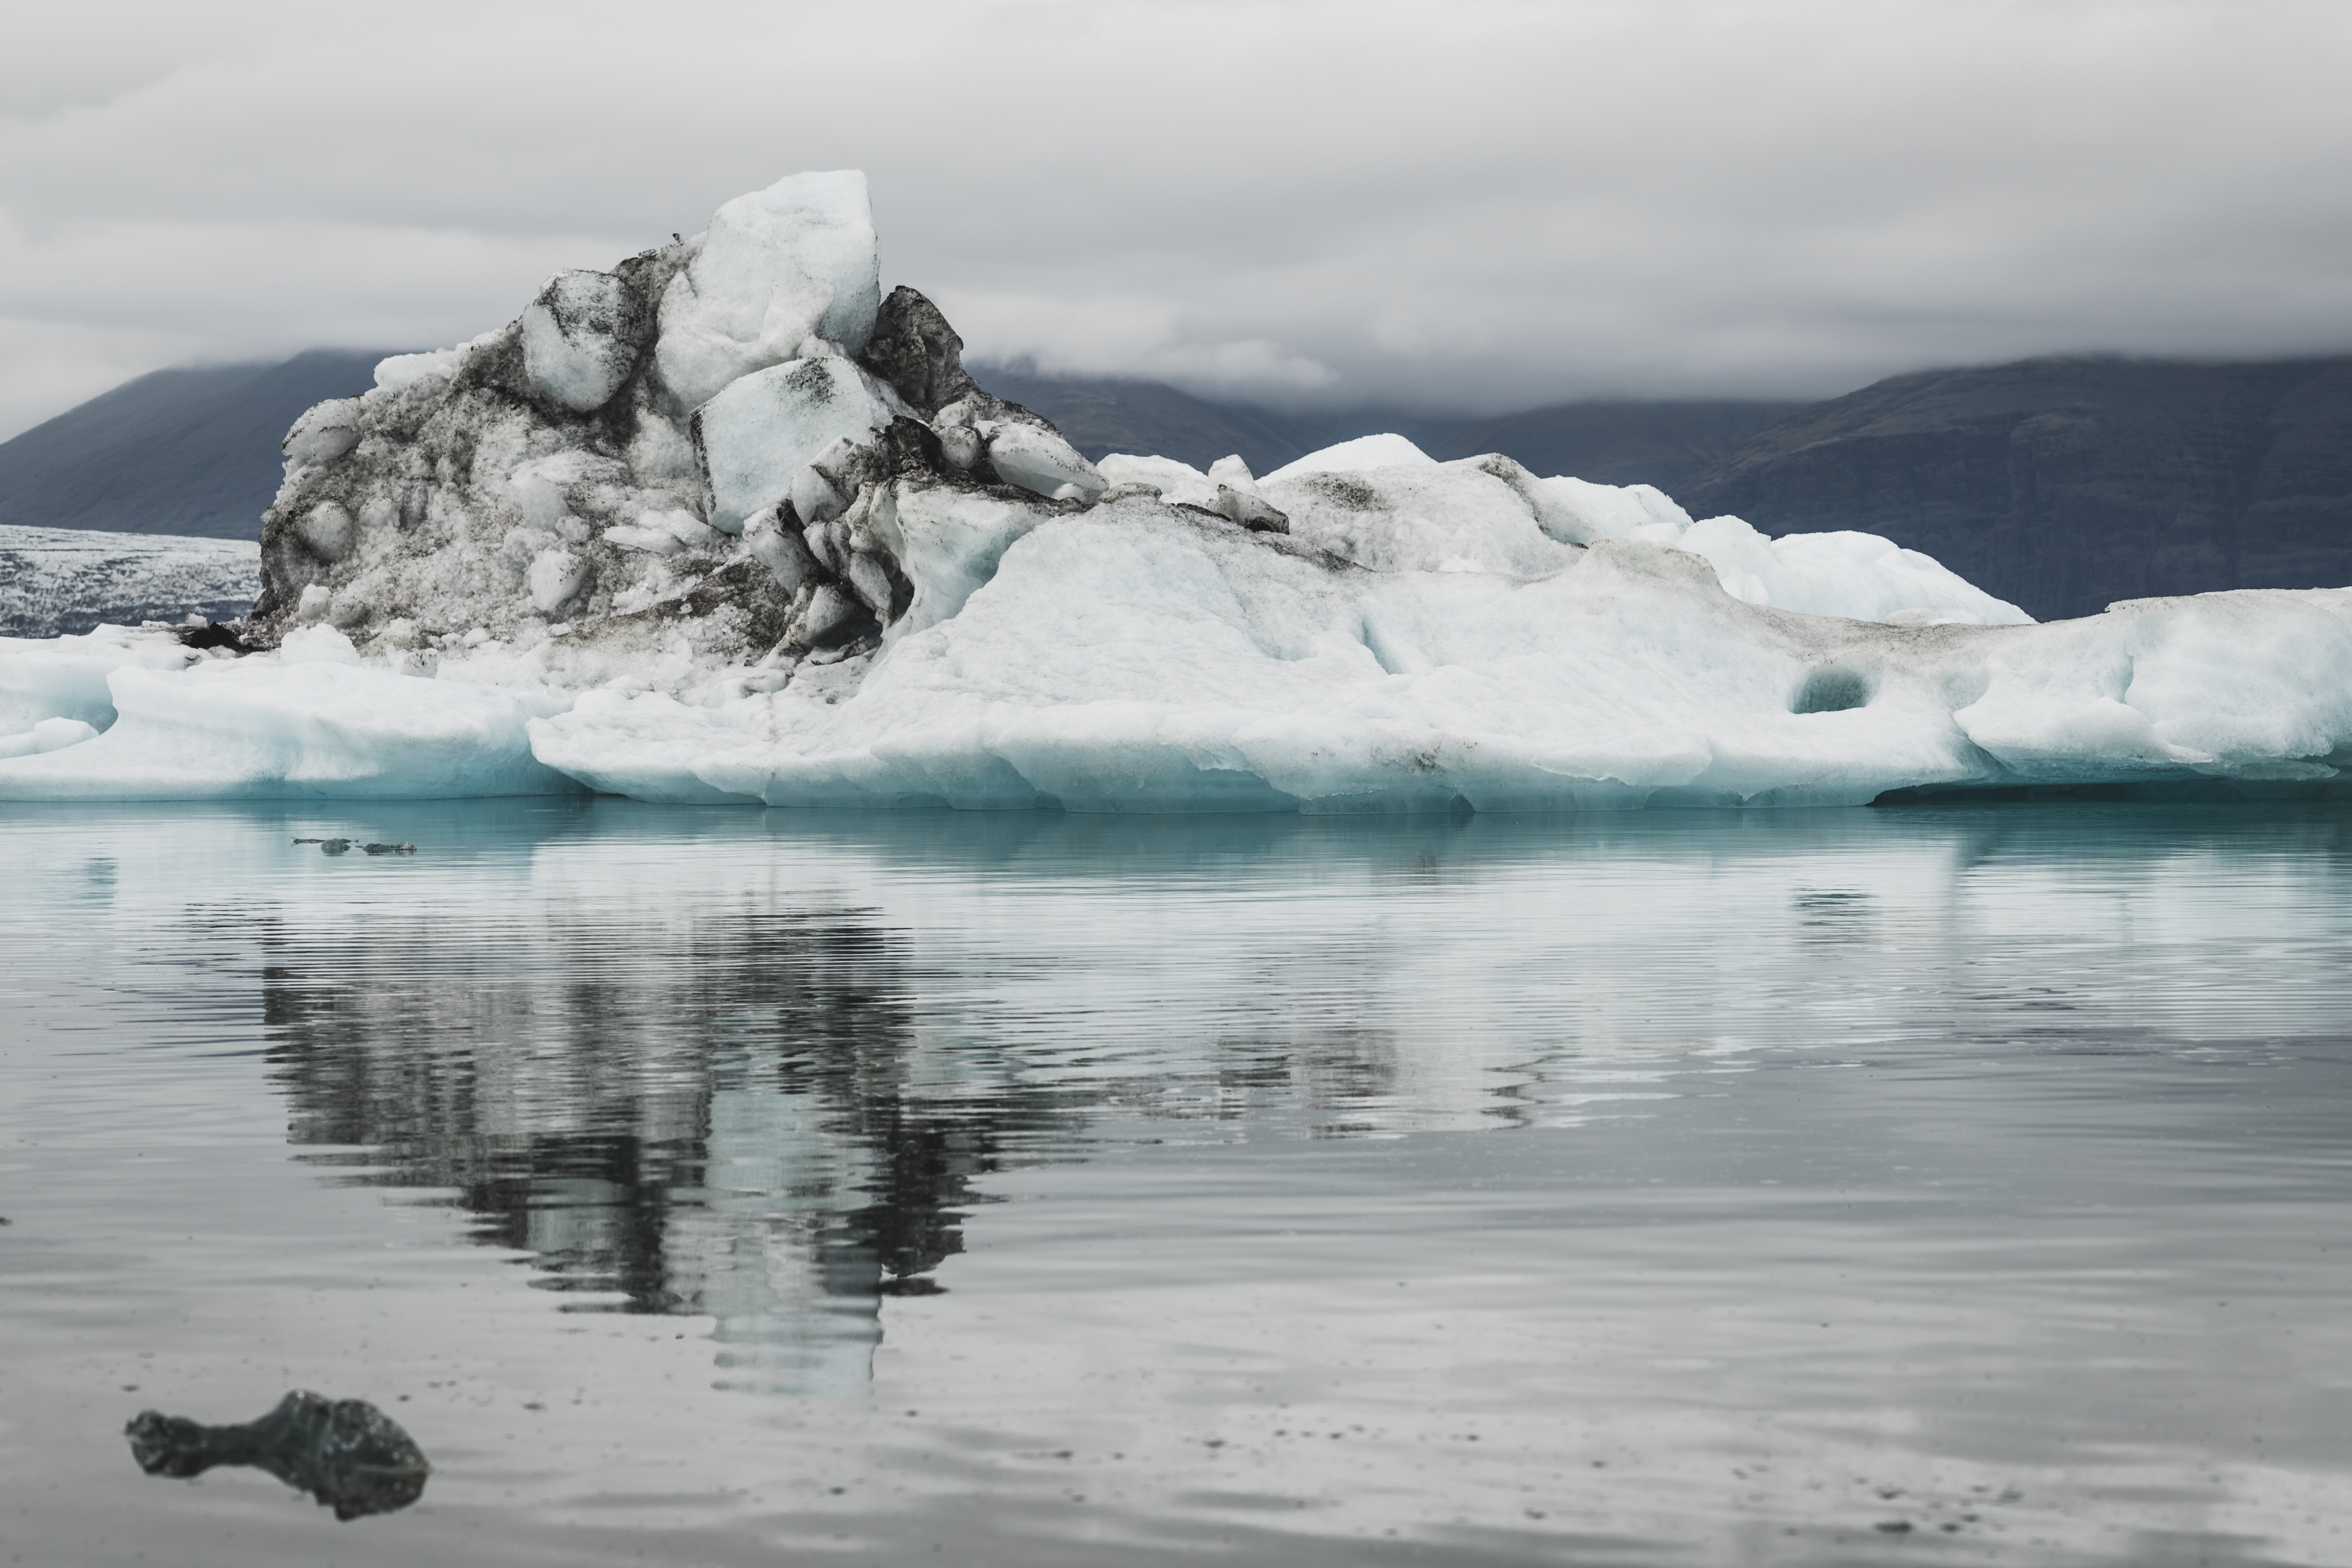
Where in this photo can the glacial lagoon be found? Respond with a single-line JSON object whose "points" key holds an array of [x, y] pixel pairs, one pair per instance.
{"points": [[1960, 1183]]}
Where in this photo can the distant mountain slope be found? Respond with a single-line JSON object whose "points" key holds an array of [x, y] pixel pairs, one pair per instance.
{"points": [[1101, 415], [2063, 484], [1665, 444], [191, 452], [195, 452], [2060, 485], [1616, 443]]}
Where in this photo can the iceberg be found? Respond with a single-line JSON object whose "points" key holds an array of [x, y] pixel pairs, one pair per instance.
{"points": [[726, 524]]}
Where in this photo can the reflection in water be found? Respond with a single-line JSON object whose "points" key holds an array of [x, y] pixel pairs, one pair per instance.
{"points": [[709, 1114], [1707, 1189], [710, 1118], [725, 1078], [346, 1453]]}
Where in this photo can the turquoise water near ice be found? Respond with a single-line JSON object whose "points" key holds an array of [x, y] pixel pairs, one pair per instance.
{"points": [[1964, 1182]]}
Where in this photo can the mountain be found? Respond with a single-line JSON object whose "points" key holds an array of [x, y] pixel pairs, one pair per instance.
{"points": [[2060, 485], [190, 452], [195, 451], [2063, 484], [1665, 444], [1611, 442], [1101, 415]]}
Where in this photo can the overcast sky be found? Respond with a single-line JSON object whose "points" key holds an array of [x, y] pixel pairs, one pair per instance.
{"points": [[1477, 205]]}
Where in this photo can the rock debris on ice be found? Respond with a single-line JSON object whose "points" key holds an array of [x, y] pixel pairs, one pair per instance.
{"points": [[726, 523]]}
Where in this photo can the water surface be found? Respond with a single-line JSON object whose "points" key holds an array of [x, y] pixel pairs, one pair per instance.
{"points": [[722, 1186]]}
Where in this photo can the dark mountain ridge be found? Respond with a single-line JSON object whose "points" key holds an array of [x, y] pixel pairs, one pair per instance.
{"points": [[185, 451], [1611, 441], [2065, 484], [195, 451], [2059, 484], [1102, 415]]}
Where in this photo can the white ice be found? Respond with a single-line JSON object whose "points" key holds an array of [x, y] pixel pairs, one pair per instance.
{"points": [[65, 678], [49, 735], [756, 435], [1142, 661], [575, 350], [1420, 640], [1039, 460], [310, 720], [1390, 633], [786, 273], [1387, 451], [1175, 481], [1407, 512]]}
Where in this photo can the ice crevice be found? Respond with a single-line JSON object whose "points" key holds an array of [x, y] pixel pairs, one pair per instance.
{"points": [[727, 523]]}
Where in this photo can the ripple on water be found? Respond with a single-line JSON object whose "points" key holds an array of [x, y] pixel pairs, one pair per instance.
{"points": [[1764, 1188]]}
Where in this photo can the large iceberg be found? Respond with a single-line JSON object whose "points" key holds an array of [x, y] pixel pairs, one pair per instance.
{"points": [[727, 524]]}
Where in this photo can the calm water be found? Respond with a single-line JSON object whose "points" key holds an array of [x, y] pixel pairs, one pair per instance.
{"points": [[719, 1187]]}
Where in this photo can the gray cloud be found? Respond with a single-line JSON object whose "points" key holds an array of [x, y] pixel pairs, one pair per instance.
{"points": [[1471, 205]]}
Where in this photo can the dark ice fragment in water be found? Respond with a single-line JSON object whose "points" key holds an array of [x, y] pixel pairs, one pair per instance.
{"points": [[343, 846], [346, 1453]]}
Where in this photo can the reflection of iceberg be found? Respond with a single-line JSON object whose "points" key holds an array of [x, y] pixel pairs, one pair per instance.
{"points": [[724, 525], [793, 1281], [346, 1453], [716, 1096], [722, 1129]]}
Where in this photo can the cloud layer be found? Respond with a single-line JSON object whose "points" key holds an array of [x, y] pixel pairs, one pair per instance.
{"points": [[1469, 205]]}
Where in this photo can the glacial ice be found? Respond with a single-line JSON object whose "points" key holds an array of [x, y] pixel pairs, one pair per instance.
{"points": [[68, 580], [724, 525], [1040, 460], [70, 677], [303, 722], [581, 339], [763, 429], [1386, 452], [48, 735], [1142, 661], [784, 273]]}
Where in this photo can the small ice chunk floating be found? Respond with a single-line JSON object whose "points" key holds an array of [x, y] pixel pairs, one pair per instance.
{"points": [[346, 1453], [727, 523]]}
